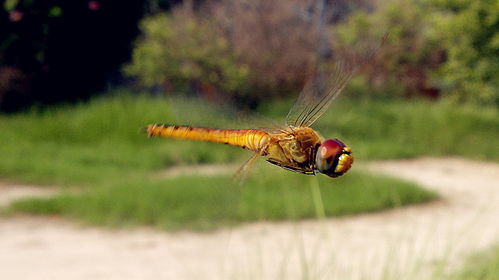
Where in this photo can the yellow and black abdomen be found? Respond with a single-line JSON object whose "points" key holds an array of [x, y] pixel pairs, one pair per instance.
{"points": [[251, 139]]}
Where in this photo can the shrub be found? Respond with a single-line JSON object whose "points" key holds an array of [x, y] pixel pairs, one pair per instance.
{"points": [[436, 47], [182, 51], [230, 47], [276, 39], [404, 63], [470, 32]]}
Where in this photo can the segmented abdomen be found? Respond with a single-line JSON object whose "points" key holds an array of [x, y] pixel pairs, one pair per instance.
{"points": [[251, 139]]}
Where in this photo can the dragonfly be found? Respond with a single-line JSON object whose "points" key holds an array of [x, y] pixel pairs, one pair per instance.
{"points": [[296, 146]]}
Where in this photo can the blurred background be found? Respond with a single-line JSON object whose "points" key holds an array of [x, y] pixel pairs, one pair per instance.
{"points": [[59, 51], [79, 79]]}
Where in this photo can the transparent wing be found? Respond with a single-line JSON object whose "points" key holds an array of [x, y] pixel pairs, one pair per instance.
{"points": [[327, 83], [319, 93], [242, 173]]}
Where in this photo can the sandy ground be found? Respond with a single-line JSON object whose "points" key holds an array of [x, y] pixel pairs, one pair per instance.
{"points": [[13, 191], [409, 243]]}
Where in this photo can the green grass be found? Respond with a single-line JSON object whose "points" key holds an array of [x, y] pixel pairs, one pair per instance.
{"points": [[201, 203], [484, 266], [93, 142], [385, 129], [98, 147]]}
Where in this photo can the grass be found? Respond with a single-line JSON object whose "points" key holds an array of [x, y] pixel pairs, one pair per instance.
{"points": [[93, 142], [483, 266], [202, 203], [387, 129], [98, 147]]}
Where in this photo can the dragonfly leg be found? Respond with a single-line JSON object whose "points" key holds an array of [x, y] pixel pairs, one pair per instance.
{"points": [[291, 168]]}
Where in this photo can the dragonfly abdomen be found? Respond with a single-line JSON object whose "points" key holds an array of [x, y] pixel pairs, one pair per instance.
{"points": [[251, 139]]}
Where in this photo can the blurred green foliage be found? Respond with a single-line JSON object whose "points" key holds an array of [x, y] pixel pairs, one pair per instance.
{"points": [[403, 63], [9, 5], [483, 266], [99, 147], [469, 32], [383, 129], [182, 52], [232, 49], [435, 48], [101, 140], [207, 202]]}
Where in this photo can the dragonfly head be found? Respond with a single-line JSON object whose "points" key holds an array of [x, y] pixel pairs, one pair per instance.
{"points": [[333, 158]]}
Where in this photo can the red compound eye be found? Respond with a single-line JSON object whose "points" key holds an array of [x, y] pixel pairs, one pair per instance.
{"points": [[331, 148], [333, 158]]}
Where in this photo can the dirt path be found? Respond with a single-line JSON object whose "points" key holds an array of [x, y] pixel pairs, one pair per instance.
{"points": [[13, 191], [397, 244]]}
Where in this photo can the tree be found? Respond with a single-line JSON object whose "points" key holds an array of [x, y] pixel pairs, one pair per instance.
{"points": [[470, 32]]}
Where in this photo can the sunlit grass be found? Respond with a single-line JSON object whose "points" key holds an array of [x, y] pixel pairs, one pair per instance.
{"points": [[384, 129], [100, 140], [99, 147], [199, 202], [483, 266]]}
